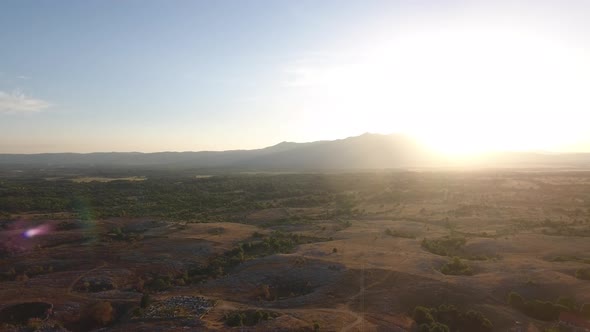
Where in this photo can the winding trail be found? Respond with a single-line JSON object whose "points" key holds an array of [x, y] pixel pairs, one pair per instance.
{"points": [[360, 318]]}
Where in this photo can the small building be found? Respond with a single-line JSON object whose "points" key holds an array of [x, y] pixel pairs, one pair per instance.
{"points": [[574, 321]]}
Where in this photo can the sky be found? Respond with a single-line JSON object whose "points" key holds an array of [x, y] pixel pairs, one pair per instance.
{"points": [[142, 75]]}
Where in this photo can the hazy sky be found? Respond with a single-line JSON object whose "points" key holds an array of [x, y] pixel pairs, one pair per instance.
{"points": [[192, 75]]}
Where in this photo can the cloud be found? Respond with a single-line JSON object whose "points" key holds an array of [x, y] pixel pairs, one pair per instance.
{"points": [[18, 102]]}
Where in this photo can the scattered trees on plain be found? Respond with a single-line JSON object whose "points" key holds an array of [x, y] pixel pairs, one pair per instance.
{"points": [[457, 267], [542, 310], [449, 318]]}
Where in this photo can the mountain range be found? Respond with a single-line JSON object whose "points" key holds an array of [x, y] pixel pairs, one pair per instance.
{"points": [[367, 151]]}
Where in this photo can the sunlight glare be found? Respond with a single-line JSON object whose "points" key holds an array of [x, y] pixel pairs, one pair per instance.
{"points": [[458, 90]]}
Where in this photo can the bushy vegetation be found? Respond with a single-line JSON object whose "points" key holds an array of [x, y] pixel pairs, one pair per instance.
{"points": [[146, 300], [275, 243], [570, 259], [452, 246], [583, 274], [97, 314], [248, 317], [280, 288], [445, 246], [30, 271], [176, 197], [159, 283], [398, 233], [21, 313], [564, 230], [449, 318], [542, 310], [456, 267], [121, 234]]}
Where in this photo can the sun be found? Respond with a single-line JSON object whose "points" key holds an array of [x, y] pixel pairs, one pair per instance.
{"points": [[460, 89]]}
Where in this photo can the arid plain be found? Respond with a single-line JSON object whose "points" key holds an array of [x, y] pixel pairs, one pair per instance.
{"points": [[294, 252]]}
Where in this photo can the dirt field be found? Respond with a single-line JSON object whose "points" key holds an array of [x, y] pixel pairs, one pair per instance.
{"points": [[362, 271]]}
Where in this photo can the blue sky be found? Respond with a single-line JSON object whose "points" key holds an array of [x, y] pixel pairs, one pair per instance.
{"points": [[191, 75]]}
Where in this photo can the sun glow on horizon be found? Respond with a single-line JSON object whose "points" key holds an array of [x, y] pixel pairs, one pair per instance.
{"points": [[461, 89]]}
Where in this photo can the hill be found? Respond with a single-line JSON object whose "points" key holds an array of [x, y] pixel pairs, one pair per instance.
{"points": [[367, 151]]}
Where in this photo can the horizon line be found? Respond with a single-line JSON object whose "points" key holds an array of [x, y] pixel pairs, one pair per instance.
{"points": [[486, 152]]}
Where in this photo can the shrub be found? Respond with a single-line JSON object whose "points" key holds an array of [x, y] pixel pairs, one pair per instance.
{"points": [[248, 317], [146, 300], [583, 274], [422, 315], [34, 323], [397, 233], [234, 319], [159, 284], [515, 300], [316, 326], [567, 302], [541, 310], [449, 318], [438, 327], [276, 242], [445, 246], [474, 321], [137, 312], [456, 267], [100, 313]]}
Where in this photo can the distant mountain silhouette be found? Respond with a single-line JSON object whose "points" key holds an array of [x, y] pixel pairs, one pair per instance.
{"points": [[367, 151]]}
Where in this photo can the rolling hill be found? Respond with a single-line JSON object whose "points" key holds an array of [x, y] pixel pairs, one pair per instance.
{"points": [[367, 151]]}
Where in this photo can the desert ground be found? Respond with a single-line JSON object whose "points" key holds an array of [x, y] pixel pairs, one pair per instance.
{"points": [[293, 252]]}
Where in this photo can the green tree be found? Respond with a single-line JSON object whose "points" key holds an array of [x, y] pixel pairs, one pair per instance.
{"points": [[438, 327], [316, 326], [567, 302], [474, 321], [422, 315], [516, 301], [146, 300]]}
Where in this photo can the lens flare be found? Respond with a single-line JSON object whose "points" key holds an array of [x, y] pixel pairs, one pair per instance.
{"points": [[32, 232]]}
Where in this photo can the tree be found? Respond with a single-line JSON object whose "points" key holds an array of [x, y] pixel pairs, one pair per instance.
{"points": [[234, 319], [448, 315], [160, 285], [515, 300], [99, 313], [474, 321], [422, 315], [567, 302], [266, 291], [438, 327], [145, 300]]}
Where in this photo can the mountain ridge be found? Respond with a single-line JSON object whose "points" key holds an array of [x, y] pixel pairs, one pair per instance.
{"points": [[366, 151]]}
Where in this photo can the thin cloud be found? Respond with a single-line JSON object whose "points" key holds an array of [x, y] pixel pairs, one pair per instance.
{"points": [[18, 102]]}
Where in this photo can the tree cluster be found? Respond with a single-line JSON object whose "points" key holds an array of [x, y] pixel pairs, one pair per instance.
{"points": [[447, 318]]}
